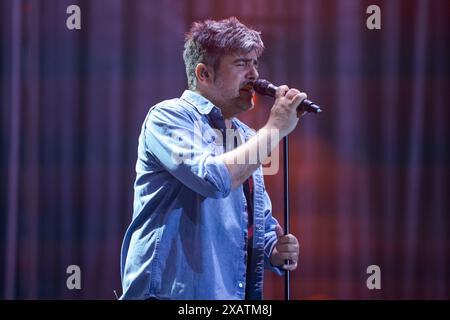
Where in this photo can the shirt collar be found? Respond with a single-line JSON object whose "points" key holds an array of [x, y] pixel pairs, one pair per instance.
{"points": [[206, 107], [203, 105]]}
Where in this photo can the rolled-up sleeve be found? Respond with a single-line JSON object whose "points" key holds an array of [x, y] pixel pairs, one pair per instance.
{"points": [[175, 139]]}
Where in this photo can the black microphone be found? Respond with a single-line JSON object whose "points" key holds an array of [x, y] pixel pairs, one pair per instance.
{"points": [[266, 88]]}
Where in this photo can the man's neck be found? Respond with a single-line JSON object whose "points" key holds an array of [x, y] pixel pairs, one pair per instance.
{"points": [[228, 123], [226, 116]]}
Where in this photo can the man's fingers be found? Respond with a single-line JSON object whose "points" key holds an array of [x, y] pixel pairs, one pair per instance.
{"points": [[289, 238], [281, 91], [298, 98], [288, 256], [289, 267], [292, 93], [287, 247], [279, 231], [301, 112]]}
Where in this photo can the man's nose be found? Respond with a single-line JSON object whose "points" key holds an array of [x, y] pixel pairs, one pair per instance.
{"points": [[253, 73]]}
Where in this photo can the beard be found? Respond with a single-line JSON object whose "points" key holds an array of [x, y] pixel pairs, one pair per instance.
{"points": [[235, 100], [245, 101]]}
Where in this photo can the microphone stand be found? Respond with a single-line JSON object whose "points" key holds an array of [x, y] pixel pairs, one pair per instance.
{"points": [[287, 288], [266, 88]]}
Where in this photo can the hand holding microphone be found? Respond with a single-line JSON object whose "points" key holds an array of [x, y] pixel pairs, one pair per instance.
{"points": [[283, 115], [266, 88]]}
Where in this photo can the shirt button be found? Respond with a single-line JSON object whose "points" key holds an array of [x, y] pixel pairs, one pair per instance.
{"points": [[240, 285]]}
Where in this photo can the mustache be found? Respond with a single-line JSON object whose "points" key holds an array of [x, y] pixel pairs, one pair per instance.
{"points": [[248, 85]]}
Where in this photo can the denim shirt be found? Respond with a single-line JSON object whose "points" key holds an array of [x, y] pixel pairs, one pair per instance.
{"points": [[188, 236]]}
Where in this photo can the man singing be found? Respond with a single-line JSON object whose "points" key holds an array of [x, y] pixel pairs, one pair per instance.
{"points": [[202, 225]]}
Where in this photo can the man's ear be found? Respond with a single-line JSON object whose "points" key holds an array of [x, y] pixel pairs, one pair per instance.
{"points": [[202, 73]]}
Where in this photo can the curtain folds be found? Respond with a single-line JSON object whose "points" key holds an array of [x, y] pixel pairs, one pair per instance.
{"points": [[369, 177]]}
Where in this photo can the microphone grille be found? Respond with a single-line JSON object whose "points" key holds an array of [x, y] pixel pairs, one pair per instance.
{"points": [[263, 87]]}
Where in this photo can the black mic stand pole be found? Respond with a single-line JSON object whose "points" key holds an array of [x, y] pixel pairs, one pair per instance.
{"points": [[287, 288], [266, 88]]}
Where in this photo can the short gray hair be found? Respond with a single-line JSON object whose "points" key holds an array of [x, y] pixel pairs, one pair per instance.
{"points": [[209, 40]]}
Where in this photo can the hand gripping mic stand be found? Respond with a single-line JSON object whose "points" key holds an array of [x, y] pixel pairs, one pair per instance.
{"points": [[264, 87]]}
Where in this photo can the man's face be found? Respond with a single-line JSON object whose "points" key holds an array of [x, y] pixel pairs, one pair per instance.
{"points": [[232, 88]]}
